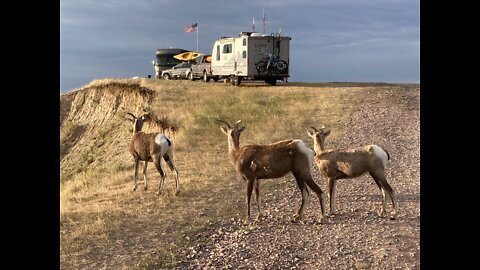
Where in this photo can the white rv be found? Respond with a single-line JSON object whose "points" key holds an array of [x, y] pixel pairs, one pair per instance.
{"points": [[251, 56]]}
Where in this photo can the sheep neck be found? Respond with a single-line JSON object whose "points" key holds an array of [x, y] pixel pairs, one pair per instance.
{"points": [[318, 146]]}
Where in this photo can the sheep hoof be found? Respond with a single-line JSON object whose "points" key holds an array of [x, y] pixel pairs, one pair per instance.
{"points": [[296, 219], [381, 213], [145, 188], [177, 192], [245, 221], [259, 217], [159, 192], [320, 221], [134, 188]]}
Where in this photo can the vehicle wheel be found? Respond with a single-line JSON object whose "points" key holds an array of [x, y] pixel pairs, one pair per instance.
{"points": [[237, 80], [166, 76], [190, 76], [205, 77], [271, 81]]}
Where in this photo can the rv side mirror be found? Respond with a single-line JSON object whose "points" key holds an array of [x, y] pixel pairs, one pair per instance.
{"points": [[153, 62]]}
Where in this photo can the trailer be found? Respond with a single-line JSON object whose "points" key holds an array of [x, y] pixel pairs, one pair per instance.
{"points": [[251, 56]]}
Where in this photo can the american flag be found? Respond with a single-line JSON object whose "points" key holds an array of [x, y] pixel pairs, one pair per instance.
{"points": [[191, 28]]}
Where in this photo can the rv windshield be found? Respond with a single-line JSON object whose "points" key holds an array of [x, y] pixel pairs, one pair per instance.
{"points": [[167, 60]]}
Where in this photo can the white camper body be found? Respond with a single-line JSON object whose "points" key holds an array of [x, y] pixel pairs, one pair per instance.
{"points": [[251, 56]]}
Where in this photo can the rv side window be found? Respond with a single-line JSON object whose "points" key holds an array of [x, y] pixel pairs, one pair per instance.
{"points": [[218, 52], [244, 54], [244, 42], [227, 48]]}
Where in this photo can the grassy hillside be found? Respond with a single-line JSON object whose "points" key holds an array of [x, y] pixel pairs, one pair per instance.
{"points": [[105, 224]]}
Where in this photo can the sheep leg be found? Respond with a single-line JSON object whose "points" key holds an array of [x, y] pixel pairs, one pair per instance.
{"points": [[145, 174], [156, 161], [331, 193], [320, 196], [249, 194], [392, 196], [257, 199], [384, 187], [169, 160], [135, 175], [304, 191], [383, 210]]}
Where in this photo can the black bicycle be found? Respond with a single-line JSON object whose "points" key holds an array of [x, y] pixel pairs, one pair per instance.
{"points": [[271, 64]]}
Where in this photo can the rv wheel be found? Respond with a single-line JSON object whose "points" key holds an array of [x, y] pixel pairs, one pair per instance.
{"points": [[237, 80], [271, 81]]}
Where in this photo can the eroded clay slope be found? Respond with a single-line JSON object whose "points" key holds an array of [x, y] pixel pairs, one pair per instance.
{"points": [[94, 133]]}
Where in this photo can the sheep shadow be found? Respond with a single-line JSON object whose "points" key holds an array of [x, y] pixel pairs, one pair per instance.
{"points": [[365, 207]]}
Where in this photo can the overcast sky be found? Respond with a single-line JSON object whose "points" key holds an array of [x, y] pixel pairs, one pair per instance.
{"points": [[332, 40]]}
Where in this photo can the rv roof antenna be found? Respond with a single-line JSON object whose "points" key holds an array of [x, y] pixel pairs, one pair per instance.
{"points": [[264, 22], [253, 25]]}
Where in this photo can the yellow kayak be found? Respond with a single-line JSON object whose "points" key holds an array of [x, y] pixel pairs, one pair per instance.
{"points": [[187, 56]]}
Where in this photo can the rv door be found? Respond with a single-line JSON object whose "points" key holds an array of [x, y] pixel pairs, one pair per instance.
{"points": [[227, 58]]}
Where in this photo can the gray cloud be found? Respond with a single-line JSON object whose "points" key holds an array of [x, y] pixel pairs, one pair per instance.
{"points": [[349, 40]]}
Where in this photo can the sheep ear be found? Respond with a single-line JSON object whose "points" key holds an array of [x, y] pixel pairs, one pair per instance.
{"points": [[145, 117], [240, 130], [327, 132], [310, 133], [224, 130]]}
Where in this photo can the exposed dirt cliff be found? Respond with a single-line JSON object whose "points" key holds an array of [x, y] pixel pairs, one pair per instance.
{"points": [[93, 130]]}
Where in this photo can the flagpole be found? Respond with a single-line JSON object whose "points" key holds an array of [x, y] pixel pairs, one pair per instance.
{"points": [[197, 36]]}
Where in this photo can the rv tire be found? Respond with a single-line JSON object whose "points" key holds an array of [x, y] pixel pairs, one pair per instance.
{"points": [[271, 81], [237, 80]]}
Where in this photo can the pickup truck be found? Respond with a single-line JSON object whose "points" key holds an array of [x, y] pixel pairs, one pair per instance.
{"points": [[201, 68]]}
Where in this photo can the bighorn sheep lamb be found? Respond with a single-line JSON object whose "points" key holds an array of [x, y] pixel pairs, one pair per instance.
{"points": [[151, 147], [255, 162], [350, 163]]}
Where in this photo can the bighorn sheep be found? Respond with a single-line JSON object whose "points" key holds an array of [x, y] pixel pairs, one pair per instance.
{"points": [[255, 162], [351, 163], [151, 147]]}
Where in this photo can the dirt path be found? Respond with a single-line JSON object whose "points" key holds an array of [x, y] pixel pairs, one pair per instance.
{"points": [[356, 238]]}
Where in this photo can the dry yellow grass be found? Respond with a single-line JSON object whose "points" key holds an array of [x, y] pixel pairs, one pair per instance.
{"points": [[104, 223]]}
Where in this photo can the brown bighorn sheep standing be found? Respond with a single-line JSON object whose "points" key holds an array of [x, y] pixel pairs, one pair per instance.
{"points": [[350, 163], [151, 147], [255, 162]]}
